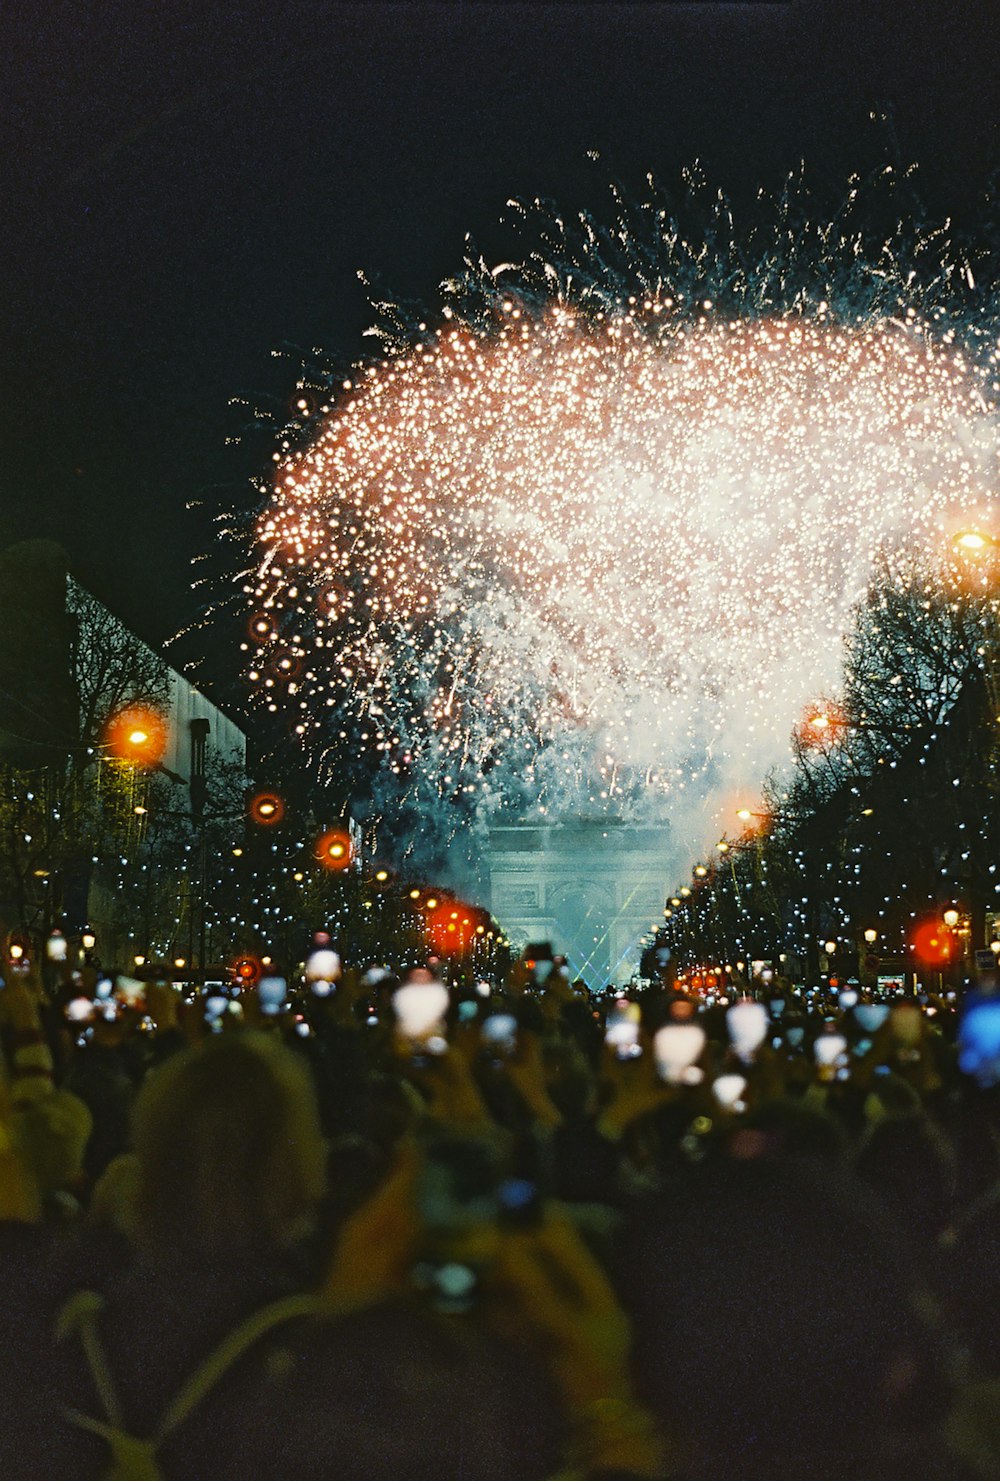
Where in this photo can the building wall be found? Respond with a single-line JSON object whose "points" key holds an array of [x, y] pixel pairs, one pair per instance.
{"points": [[67, 664], [185, 704], [225, 739]]}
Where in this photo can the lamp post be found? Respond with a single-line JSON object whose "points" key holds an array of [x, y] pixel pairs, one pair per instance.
{"points": [[748, 816], [976, 546], [867, 958], [979, 546]]}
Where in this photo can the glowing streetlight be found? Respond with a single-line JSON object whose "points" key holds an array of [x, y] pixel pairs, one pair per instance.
{"points": [[950, 918], [829, 947], [137, 735], [871, 936], [824, 724], [755, 820], [333, 850], [267, 808], [974, 541]]}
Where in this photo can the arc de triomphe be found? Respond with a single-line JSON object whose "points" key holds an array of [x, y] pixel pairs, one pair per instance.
{"points": [[592, 887]]}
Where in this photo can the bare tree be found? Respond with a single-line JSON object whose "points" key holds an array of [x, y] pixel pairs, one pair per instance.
{"points": [[890, 806], [61, 816], [113, 669]]}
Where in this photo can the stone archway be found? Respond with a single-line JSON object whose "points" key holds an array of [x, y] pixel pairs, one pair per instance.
{"points": [[582, 912]]}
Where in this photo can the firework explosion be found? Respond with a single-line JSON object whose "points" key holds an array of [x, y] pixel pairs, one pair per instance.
{"points": [[590, 543]]}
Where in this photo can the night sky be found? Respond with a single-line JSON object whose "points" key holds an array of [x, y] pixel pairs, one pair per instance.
{"points": [[189, 186]]}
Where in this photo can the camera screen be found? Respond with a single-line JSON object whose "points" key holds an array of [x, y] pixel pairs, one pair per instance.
{"points": [[271, 992]]}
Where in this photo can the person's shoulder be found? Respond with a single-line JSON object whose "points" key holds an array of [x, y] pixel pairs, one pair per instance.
{"points": [[28, 1275], [395, 1391]]}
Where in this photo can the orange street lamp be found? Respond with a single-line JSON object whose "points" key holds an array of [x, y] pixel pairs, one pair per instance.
{"points": [[823, 724], [267, 808], [333, 850], [755, 821], [974, 541], [137, 735]]}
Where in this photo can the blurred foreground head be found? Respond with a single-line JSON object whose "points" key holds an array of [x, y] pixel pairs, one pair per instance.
{"points": [[229, 1149], [776, 1317]]}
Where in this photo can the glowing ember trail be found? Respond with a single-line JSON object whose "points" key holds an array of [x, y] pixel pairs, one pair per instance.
{"points": [[555, 557]]}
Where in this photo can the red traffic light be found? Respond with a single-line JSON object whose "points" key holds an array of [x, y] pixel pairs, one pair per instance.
{"points": [[247, 970], [451, 927], [933, 944]]}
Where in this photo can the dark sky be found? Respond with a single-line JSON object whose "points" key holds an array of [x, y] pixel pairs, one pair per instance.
{"points": [[189, 186]]}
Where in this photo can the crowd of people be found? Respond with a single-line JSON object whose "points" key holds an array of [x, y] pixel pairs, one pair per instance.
{"points": [[364, 1224]]}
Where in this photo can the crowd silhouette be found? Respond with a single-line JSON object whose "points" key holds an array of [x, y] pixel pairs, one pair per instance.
{"points": [[361, 1224]]}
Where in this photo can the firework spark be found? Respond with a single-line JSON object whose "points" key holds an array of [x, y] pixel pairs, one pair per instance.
{"points": [[580, 554]]}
